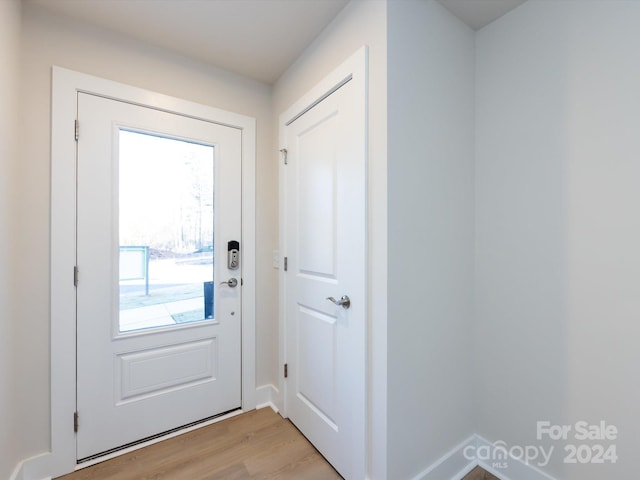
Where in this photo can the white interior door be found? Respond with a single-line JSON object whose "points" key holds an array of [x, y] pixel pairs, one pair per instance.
{"points": [[158, 333], [325, 246]]}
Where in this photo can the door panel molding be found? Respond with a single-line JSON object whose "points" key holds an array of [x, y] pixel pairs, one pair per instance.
{"points": [[66, 84], [200, 364]]}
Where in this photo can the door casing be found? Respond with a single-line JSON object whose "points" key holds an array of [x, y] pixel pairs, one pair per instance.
{"points": [[354, 69], [65, 86]]}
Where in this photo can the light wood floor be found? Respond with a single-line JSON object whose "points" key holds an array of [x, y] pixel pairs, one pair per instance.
{"points": [[479, 474], [255, 445]]}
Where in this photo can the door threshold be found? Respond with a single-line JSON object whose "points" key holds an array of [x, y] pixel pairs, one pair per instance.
{"points": [[131, 447]]}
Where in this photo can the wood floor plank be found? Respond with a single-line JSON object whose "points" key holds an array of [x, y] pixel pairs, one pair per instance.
{"points": [[255, 445], [479, 474]]}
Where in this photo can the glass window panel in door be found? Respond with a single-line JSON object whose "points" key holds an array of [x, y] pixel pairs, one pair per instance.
{"points": [[166, 231]]}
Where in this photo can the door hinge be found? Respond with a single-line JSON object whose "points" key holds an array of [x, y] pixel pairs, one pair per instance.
{"points": [[75, 422], [283, 151], [76, 130], [75, 276], [286, 263], [286, 370]]}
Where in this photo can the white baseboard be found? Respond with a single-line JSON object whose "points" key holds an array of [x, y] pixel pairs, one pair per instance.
{"points": [[32, 468], [511, 468], [452, 465], [17, 472], [267, 396], [462, 459]]}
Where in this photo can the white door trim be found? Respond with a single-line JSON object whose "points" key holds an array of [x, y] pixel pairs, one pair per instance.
{"points": [[66, 85], [354, 69]]}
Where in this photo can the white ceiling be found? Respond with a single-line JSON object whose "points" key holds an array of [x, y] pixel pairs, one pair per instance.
{"points": [[255, 38], [478, 13]]}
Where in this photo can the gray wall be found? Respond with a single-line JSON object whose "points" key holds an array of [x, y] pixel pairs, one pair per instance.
{"points": [[558, 229], [431, 229], [9, 90]]}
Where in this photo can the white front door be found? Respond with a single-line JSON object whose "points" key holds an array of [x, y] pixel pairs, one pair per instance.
{"points": [[158, 332], [325, 245]]}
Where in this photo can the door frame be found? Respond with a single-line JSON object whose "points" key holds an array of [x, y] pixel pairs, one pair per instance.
{"points": [[65, 86], [353, 70]]}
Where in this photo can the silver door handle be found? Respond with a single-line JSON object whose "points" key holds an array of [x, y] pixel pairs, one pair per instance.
{"points": [[232, 282], [344, 302]]}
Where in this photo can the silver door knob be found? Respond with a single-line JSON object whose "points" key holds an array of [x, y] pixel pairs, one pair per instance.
{"points": [[344, 302], [232, 282]]}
